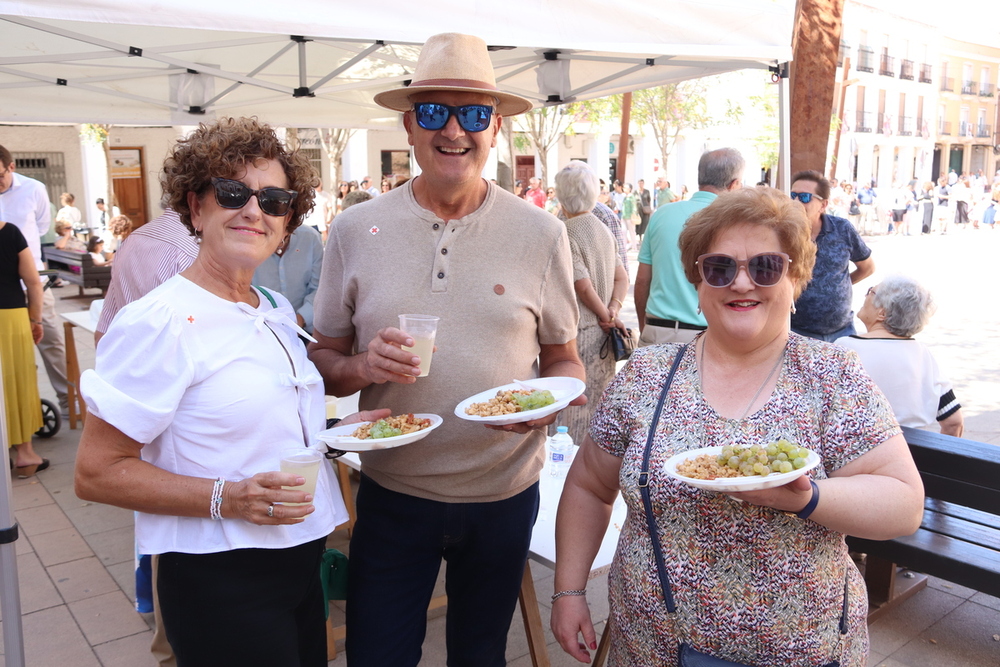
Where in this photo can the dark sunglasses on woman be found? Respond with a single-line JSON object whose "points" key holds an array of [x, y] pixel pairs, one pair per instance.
{"points": [[764, 270], [471, 117], [233, 194]]}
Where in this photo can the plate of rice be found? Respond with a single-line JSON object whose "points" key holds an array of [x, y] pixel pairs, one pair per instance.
{"points": [[513, 403], [381, 434], [701, 468]]}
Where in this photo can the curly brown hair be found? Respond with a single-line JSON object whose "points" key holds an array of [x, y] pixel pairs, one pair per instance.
{"points": [[765, 207], [223, 149]]}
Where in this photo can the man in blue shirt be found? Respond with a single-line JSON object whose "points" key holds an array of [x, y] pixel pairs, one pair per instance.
{"points": [[666, 303], [823, 310]]}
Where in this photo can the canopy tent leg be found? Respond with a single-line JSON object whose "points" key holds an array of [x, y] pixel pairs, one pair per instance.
{"points": [[10, 590]]}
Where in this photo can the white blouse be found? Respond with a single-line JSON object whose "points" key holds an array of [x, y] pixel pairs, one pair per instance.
{"points": [[214, 388]]}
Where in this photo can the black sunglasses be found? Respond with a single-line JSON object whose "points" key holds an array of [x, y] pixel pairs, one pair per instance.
{"points": [[764, 270], [471, 117], [233, 194], [804, 197]]}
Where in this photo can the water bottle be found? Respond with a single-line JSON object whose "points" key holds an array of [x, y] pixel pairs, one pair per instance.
{"points": [[560, 452]]}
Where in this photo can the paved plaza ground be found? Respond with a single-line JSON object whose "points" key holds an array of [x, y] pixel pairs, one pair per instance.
{"points": [[75, 558]]}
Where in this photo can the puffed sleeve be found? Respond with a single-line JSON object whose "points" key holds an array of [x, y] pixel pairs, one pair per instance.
{"points": [[612, 419], [857, 417], [143, 369]]}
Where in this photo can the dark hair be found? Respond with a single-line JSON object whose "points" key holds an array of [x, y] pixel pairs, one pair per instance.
{"points": [[762, 207], [355, 197], [93, 243], [822, 185], [224, 149]]}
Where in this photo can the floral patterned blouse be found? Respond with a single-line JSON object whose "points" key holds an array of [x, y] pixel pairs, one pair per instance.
{"points": [[751, 584]]}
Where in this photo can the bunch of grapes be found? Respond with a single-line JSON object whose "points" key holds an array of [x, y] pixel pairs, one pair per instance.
{"points": [[777, 457]]}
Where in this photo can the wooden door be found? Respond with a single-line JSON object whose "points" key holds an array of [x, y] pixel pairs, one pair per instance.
{"points": [[525, 169], [129, 178]]}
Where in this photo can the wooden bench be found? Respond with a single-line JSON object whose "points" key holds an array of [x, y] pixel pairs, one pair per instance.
{"points": [[959, 538], [88, 275]]}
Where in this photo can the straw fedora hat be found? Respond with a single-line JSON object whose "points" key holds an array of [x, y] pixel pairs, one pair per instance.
{"points": [[451, 61]]}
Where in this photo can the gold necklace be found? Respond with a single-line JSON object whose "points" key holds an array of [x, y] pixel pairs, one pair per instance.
{"points": [[701, 377]]}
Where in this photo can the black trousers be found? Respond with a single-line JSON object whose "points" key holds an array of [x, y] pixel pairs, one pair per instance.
{"points": [[245, 607]]}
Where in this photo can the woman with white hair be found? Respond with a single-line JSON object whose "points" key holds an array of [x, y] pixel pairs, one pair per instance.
{"points": [[600, 282], [903, 368]]}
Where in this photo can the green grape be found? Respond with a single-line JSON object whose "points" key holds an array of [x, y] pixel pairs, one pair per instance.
{"points": [[758, 467], [784, 466], [381, 429], [772, 450], [765, 471], [734, 462], [727, 451], [782, 456], [536, 399], [799, 462]]}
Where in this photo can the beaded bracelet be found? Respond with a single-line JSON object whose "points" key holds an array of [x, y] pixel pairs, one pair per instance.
{"points": [[215, 506], [560, 594]]}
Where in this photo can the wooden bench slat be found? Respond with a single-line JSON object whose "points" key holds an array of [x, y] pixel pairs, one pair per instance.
{"points": [[987, 519], [961, 492], [959, 529]]}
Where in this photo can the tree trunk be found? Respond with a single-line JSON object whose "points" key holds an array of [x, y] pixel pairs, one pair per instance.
{"points": [[815, 46], [623, 138]]}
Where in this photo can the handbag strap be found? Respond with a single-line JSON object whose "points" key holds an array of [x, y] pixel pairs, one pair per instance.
{"points": [[647, 502], [606, 345]]}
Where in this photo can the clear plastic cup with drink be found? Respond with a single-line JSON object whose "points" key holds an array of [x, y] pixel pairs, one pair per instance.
{"points": [[304, 463], [422, 329]]}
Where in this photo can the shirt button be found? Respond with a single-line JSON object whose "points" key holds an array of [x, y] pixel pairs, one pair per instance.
{"points": [[436, 225], [444, 251], [441, 274]]}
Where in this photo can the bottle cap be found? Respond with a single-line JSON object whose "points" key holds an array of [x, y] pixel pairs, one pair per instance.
{"points": [[562, 429]]}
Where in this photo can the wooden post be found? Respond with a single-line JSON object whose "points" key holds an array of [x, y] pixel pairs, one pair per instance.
{"points": [[623, 137], [815, 46]]}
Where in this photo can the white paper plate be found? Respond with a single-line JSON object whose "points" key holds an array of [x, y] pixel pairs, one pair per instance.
{"points": [[564, 390], [339, 437], [727, 484]]}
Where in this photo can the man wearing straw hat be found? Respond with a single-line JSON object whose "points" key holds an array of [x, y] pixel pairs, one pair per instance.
{"points": [[498, 273]]}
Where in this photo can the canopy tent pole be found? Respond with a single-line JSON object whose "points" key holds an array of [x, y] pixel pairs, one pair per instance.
{"points": [[784, 130], [10, 590]]}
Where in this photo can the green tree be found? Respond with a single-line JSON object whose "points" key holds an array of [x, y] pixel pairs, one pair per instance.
{"points": [[669, 110], [334, 141], [541, 128]]}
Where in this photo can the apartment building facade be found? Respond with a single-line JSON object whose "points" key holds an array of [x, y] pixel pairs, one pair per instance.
{"points": [[966, 132]]}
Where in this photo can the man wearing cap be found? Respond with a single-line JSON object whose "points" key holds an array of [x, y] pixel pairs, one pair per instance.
{"points": [[498, 273]]}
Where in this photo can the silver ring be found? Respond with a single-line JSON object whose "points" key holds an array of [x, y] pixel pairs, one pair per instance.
{"points": [[270, 510]]}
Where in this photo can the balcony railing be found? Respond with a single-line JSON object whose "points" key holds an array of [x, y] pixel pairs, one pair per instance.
{"points": [[905, 126], [983, 131], [986, 89], [887, 66], [965, 128], [883, 127], [919, 127], [845, 50], [866, 59], [968, 87], [947, 85], [906, 70], [864, 122], [925, 73], [944, 127]]}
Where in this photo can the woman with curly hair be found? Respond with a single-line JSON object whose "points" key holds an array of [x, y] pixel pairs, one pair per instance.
{"points": [[197, 388]]}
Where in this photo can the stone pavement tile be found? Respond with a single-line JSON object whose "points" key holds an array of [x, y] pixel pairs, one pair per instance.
{"points": [[84, 578], [41, 519], [948, 587], [963, 638], [52, 639], [35, 587], [114, 546], [875, 659], [434, 650], [60, 546], [90, 518], [909, 619], [124, 576], [28, 495], [59, 476], [104, 618], [132, 651], [986, 600]]}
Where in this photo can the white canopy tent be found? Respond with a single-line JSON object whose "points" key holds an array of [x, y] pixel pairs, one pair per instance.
{"points": [[309, 63]]}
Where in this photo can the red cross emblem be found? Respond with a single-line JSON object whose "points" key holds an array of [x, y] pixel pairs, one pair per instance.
{"points": [[374, 231], [191, 319]]}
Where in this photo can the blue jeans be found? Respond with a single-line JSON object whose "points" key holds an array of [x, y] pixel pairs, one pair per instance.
{"points": [[849, 330], [396, 551]]}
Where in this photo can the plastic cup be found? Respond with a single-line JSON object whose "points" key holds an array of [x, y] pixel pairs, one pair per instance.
{"points": [[305, 463], [422, 329]]}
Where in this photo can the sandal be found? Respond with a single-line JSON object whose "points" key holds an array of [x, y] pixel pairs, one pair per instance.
{"points": [[24, 472]]}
